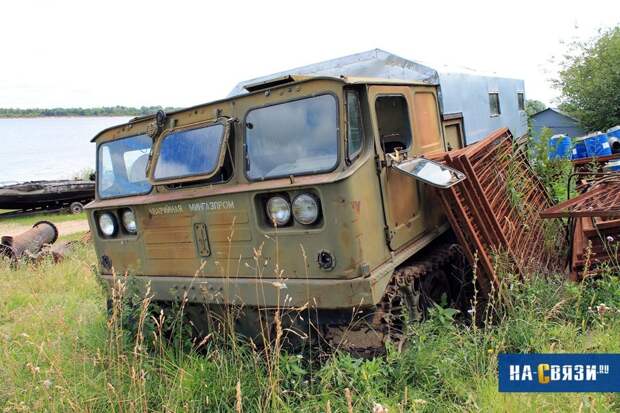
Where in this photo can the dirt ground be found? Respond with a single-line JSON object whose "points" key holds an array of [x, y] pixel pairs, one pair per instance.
{"points": [[64, 228]]}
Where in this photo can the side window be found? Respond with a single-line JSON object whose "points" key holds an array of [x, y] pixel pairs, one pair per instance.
{"points": [[393, 122], [494, 104], [521, 100], [106, 170], [355, 131]]}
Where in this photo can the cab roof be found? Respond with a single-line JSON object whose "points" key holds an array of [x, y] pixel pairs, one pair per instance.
{"points": [[261, 85]]}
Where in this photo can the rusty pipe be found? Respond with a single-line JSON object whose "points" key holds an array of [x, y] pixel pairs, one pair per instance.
{"points": [[29, 242]]}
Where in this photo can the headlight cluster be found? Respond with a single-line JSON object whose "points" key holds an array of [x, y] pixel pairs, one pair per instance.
{"points": [[305, 209], [108, 223], [129, 221], [279, 211]]}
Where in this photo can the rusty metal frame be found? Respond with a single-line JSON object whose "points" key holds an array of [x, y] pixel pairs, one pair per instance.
{"points": [[603, 200], [593, 216], [487, 222]]}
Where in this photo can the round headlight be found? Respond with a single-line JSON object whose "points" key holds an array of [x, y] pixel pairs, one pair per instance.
{"points": [[107, 224], [129, 221], [305, 209], [278, 211]]}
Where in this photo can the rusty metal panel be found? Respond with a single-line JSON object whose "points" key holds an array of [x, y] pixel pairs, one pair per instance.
{"points": [[594, 246], [171, 251], [601, 200], [595, 223], [495, 211], [227, 217], [226, 235], [167, 235]]}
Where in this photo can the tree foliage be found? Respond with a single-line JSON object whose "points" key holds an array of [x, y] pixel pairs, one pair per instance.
{"points": [[533, 106], [101, 111], [589, 81]]}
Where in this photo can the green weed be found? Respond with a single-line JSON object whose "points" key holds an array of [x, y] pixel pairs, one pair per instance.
{"points": [[60, 351]]}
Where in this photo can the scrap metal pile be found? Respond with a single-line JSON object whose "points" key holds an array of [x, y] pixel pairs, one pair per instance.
{"points": [[595, 222], [495, 212]]}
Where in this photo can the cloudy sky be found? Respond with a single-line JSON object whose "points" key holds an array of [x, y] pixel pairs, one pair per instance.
{"points": [[179, 53]]}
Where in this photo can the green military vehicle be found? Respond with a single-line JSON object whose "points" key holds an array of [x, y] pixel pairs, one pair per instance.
{"points": [[306, 193]]}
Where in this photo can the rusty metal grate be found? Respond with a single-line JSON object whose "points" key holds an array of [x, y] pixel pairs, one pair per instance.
{"points": [[595, 246], [595, 223], [602, 199], [494, 212]]}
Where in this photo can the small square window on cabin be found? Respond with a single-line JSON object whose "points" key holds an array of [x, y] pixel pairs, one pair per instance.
{"points": [[521, 100], [354, 125], [494, 104]]}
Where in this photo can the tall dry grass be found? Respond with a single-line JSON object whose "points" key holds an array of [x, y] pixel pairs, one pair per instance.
{"points": [[62, 350]]}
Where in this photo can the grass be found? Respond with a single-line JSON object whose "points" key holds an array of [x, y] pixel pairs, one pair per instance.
{"points": [[32, 219], [60, 352]]}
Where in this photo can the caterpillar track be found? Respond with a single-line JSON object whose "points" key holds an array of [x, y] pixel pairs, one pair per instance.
{"points": [[435, 277]]}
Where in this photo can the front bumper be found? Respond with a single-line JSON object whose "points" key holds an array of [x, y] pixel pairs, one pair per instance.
{"points": [[290, 293], [265, 292]]}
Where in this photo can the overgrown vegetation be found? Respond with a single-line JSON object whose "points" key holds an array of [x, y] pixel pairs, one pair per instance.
{"points": [[56, 218], [533, 106], [590, 81], [60, 352], [552, 171], [84, 174], [100, 111]]}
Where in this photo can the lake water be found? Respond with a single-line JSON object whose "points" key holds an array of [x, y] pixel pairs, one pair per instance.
{"points": [[49, 148]]}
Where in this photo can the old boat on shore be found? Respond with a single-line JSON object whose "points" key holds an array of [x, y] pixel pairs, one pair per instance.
{"points": [[47, 195]]}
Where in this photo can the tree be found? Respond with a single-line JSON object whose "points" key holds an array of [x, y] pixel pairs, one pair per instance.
{"points": [[101, 111], [533, 106], [589, 81]]}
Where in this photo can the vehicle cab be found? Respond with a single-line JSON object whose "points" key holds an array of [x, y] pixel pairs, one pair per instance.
{"points": [[281, 196]]}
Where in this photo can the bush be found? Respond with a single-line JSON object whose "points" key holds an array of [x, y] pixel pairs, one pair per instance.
{"points": [[553, 173]]}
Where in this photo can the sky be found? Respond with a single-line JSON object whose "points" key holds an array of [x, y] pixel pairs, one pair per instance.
{"points": [[180, 53]]}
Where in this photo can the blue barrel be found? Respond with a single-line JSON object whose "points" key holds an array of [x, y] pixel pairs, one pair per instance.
{"points": [[580, 151], [615, 131], [559, 147], [613, 136], [598, 145]]}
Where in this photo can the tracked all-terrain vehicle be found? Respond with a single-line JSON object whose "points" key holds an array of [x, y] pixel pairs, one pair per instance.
{"points": [[304, 191]]}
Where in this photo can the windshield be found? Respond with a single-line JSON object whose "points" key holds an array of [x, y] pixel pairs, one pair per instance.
{"points": [[193, 152], [292, 138], [121, 168]]}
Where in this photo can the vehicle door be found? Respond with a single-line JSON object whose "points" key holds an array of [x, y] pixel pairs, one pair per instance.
{"points": [[405, 124]]}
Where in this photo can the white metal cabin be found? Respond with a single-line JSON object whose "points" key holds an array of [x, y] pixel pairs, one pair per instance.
{"points": [[483, 103]]}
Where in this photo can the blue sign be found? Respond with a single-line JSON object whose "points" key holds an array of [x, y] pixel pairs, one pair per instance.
{"points": [[524, 373]]}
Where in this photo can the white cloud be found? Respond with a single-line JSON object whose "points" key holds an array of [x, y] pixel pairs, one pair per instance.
{"points": [[92, 53]]}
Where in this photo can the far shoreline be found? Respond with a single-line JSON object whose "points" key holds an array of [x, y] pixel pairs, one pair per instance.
{"points": [[79, 112], [68, 116]]}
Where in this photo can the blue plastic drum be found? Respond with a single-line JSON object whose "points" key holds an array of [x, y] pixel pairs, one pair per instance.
{"points": [[580, 151], [598, 145], [613, 137], [560, 147]]}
